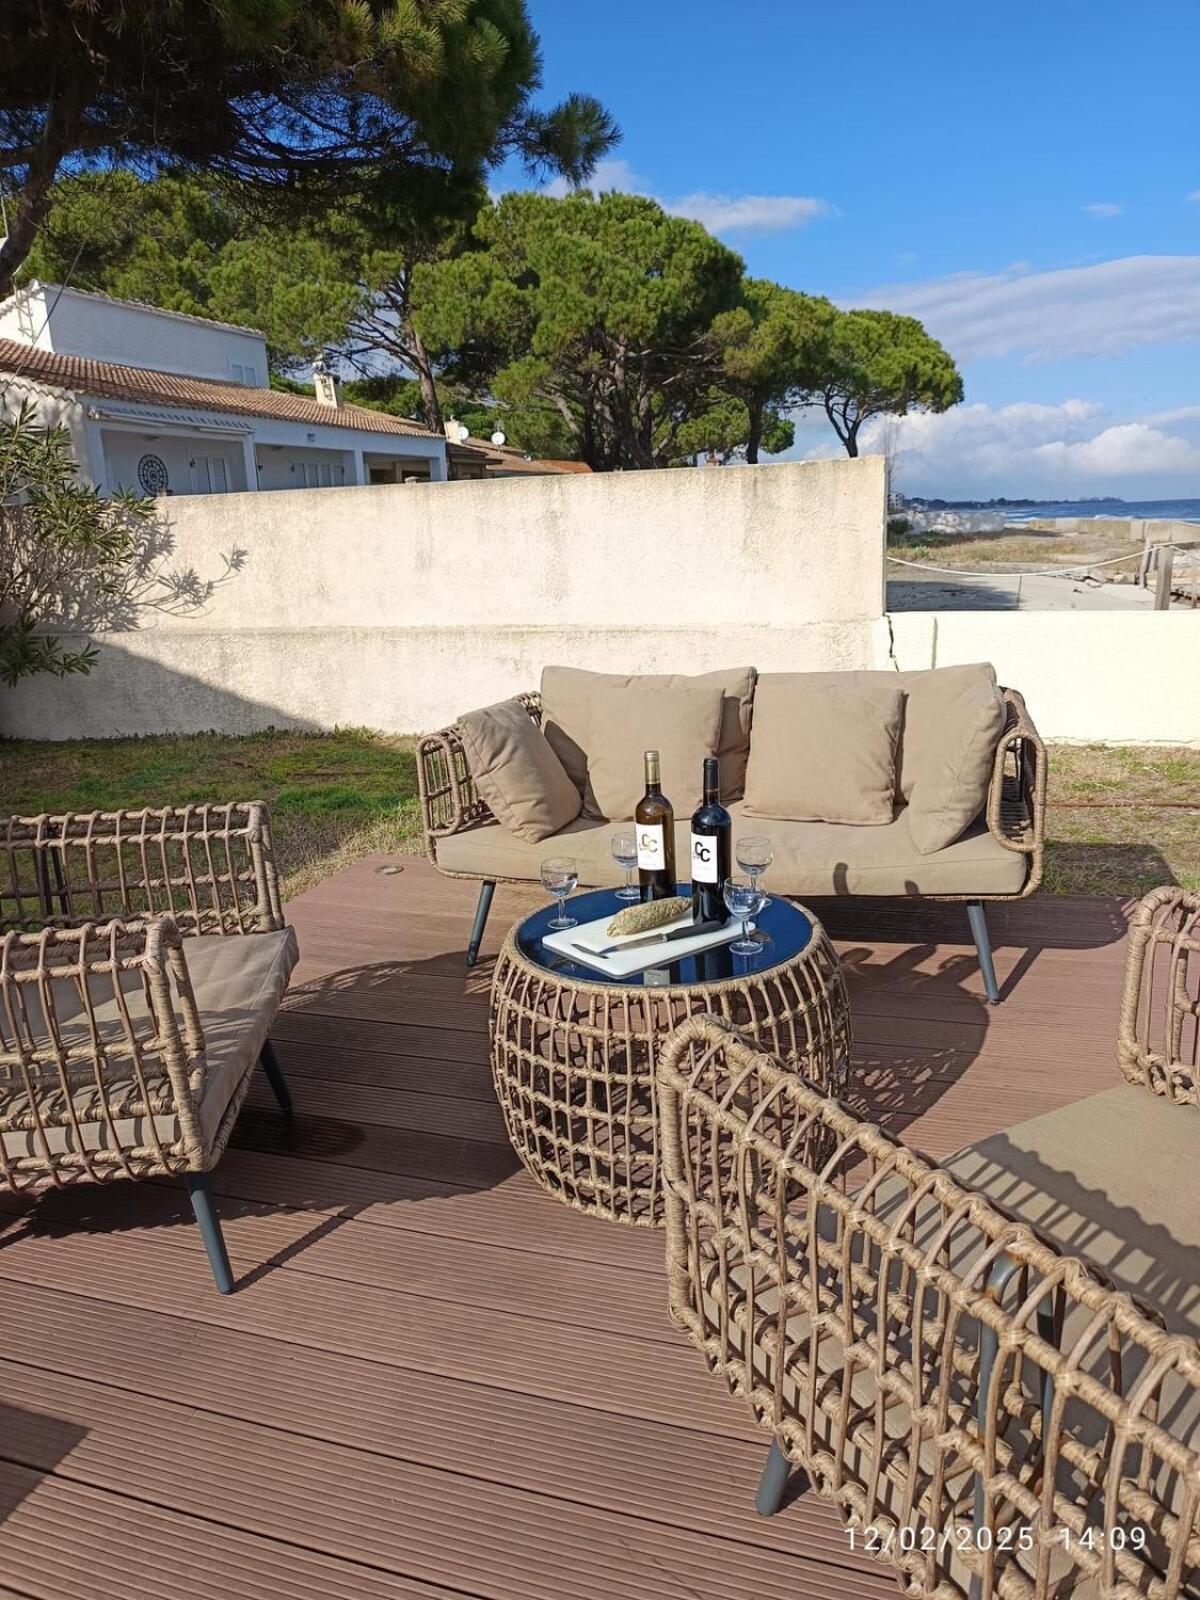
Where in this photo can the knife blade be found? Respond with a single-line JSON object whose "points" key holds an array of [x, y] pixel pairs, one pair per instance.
{"points": [[692, 929]]}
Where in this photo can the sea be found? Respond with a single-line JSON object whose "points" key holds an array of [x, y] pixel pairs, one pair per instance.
{"points": [[1165, 510]]}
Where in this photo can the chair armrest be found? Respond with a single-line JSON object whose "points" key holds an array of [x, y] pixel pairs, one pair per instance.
{"points": [[1158, 1038], [888, 1325], [450, 802], [209, 867], [1016, 803], [99, 1028]]}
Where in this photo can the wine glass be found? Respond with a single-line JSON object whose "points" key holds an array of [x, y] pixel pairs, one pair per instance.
{"points": [[624, 853], [755, 854], [744, 898], [560, 877]]}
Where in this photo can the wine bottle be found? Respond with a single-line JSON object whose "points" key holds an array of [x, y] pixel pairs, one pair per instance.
{"points": [[711, 849], [654, 823]]}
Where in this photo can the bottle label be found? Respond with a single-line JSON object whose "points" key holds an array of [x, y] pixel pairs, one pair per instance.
{"points": [[652, 853], [704, 858]]}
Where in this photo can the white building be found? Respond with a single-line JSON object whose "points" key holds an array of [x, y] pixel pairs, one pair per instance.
{"points": [[164, 403]]}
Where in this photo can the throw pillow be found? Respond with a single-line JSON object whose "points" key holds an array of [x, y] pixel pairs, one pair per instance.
{"points": [[823, 750], [683, 724], [516, 771], [951, 735]]}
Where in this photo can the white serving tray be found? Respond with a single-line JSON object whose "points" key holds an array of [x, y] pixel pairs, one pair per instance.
{"points": [[624, 963]]}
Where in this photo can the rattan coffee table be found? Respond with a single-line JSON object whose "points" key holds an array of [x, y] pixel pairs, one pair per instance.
{"points": [[573, 1053]]}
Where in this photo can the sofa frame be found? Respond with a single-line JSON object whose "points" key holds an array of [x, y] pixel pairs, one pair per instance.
{"points": [[1015, 815]]}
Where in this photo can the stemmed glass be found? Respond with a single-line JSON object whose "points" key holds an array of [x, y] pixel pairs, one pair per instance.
{"points": [[744, 899], [624, 853], [755, 854], [560, 877]]}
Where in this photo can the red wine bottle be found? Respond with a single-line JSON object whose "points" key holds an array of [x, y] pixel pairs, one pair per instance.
{"points": [[711, 849], [654, 824]]}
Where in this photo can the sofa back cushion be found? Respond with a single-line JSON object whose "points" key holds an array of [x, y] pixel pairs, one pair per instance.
{"points": [[954, 718], [682, 723], [567, 698], [824, 747], [516, 772]]}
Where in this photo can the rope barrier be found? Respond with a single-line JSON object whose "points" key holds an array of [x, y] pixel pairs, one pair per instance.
{"points": [[1031, 572]]}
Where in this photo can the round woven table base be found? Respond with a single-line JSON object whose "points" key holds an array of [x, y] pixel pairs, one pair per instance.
{"points": [[573, 1063]]}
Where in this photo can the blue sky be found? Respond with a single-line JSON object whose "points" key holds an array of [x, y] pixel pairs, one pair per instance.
{"points": [[1025, 178]]}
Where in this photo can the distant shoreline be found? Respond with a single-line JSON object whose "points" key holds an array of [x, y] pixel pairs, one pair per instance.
{"points": [[1018, 511]]}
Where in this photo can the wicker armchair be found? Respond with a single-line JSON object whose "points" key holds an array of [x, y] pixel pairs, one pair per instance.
{"points": [[143, 955], [991, 1366]]}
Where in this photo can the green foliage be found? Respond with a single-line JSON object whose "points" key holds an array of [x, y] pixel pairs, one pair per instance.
{"points": [[773, 349], [878, 363], [898, 527], [300, 100], [71, 560], [587, 319]]}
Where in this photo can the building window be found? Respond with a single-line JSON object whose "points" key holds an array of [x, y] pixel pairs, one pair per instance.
{"points": [[322, 474], [243, 374], [152, 474], [210, 475]]}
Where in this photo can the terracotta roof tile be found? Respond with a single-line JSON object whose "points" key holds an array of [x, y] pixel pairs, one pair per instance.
{"points": [[107, 380]]}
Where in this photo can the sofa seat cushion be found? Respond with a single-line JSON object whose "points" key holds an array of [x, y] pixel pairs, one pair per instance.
{"points": [[1115, 1179], [238, 982], [516, 772], [811, 858], [824, 748], [567, 695]]}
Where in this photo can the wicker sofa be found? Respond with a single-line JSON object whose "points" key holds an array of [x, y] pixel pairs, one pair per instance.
{"points": [[992, 1365], [143, 956], [998, 857]]}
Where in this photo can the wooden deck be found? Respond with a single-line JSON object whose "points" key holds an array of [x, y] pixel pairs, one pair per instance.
{"points": [[434, 1380]]}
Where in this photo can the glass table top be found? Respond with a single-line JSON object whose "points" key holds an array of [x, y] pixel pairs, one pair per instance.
{"points": [[782, 932]]}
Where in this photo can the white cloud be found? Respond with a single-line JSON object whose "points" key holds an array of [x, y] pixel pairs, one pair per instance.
{"points": [[1105, 309], [1053, 450], [720, 213], [1103, 208], [749, 213], [1195, 195]]}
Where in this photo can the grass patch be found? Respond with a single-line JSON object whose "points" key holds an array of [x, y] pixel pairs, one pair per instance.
{"points": [[333, 796], [1118, 818], [1013, 549]]}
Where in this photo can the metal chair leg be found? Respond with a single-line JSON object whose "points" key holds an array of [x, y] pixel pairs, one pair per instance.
{"points": [[983, 948], [276, 1079], [200, 1194], [774, 1481], [486, 890]]}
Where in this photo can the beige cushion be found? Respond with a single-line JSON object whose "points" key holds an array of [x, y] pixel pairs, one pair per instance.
{"points": [[516, 771], [824, 748], [566, 717], [682, 723], [1114, 1178], [954, 720], [238, 982], [811, 858]]}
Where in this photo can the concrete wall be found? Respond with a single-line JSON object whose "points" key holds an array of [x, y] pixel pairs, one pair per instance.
{"points": [[400, 607], [1112, 676]]}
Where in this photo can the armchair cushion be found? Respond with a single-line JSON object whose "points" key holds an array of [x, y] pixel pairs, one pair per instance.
{"points": [[567, 697], [824, 748], [238, 983], [517, 772]]}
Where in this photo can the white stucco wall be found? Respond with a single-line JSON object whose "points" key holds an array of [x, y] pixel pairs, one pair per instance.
{"points": [[1117, 677], [124, 451], [75, 323], [400, 607]]}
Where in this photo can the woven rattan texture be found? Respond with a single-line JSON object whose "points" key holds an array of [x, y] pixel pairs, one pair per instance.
{"points": [[842, 1286], [101, 1042], [573, 1063]]}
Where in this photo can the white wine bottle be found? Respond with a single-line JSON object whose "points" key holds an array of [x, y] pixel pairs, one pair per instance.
{"points": [[712, 832], [654, 823]]}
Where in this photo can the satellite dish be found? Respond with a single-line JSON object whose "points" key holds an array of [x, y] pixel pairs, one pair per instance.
{"points": [[498, 438], [464, 433]]}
